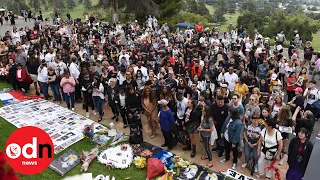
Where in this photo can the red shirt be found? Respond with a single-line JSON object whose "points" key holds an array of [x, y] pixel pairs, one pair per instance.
{"points": [[291, 81]]}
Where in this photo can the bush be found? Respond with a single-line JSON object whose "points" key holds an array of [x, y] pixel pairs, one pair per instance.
{"points": [[184, 17]]}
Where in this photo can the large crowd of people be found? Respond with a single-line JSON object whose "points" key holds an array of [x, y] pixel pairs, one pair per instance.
{"points": [[248, 96]]}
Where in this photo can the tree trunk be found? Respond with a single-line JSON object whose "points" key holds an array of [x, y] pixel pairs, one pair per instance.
{"points": [[115, 11]]}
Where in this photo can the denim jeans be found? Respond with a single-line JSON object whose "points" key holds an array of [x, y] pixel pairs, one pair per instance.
{"points": [[248, 150], [97, 101], [69, 98], [56, 91], [44, 88]]}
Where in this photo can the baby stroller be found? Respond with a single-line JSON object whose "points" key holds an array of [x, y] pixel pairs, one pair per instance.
{"points": [[136, 134]]}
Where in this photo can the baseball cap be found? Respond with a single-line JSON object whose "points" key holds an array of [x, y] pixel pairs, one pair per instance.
{"points": [[163, 102], [299, 89]]}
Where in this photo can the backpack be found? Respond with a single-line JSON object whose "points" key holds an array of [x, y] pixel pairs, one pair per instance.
{"points": [[270, 155]]}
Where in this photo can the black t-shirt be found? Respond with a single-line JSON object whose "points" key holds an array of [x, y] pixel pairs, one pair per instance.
{"points": [[50, 77], [126, 84], [184, 90], [219, 114], [299, 101]]}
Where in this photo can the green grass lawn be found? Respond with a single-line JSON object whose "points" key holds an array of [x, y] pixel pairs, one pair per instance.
{"points": [[95, 168], [316, 42]]}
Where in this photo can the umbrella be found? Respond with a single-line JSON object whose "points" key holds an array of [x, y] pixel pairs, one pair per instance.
{"points": [[184, 25]]}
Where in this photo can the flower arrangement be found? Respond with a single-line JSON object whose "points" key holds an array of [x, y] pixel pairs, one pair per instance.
{"points": [[179, 162], [140, 162]]}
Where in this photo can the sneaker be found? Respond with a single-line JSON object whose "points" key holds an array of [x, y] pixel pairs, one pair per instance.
{"points": [[125, 126], [94, 112], [223, 160], [72, 109], [244, 165], [87, 114], [234, 166], [256, 168]]}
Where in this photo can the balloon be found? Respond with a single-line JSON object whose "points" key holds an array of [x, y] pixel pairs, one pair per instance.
{"points": [[154, 168]]}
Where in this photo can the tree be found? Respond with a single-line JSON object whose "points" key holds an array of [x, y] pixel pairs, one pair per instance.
{"points": [[57, 5], [218, 15], [202, 9], [138, 7], [87, 4], [70, 4], [248, 5], [169, 8], [35, 4]]}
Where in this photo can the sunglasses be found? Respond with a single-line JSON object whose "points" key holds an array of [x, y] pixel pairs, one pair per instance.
{"points": [[251, 99]]}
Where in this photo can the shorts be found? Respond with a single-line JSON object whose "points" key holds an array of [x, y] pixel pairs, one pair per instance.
{"points": [[34, 77], [191, 128]]}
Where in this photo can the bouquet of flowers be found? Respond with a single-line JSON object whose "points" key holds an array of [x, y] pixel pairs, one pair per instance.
{"points": [[140, 162], [87, 157]]}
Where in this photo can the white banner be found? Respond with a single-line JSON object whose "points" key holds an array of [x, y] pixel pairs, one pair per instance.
{"points": [[238, 176]]}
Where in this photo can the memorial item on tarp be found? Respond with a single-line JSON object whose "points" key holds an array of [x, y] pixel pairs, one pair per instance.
{"points": [[167, 176], [112, 132], [207, 174], [84, 176], [154, 168], [102, 177], [65, 162], [101, 140], [120, 137], [140, 162], [192, 172], [145, 150], [179, 163], [87, 157], [117, 157], [165, 157], [65, 127], [88, 131]]}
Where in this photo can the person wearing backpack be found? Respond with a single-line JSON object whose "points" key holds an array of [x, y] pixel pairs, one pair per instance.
{"points": [[269, 147]]}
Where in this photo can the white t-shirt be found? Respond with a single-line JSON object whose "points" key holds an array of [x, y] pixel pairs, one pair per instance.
{"points": [[181, 107], [226, 136], [42, 74], [232, 79], [74, 71], [26, 48], [49, 58], [270, 141], [313, 96]]}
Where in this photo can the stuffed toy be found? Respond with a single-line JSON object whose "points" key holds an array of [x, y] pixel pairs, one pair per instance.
{"points": [[87, 157], [88, 131]]}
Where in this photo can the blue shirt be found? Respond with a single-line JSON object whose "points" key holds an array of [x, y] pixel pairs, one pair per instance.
{"points": [[166, 119], [240, 109]]}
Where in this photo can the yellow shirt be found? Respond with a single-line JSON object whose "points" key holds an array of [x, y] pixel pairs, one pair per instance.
{"points": [[241, 90]]}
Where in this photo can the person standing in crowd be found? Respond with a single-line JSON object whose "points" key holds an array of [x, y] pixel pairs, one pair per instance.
{"points": [[191, 123], [98, 96], [269, 147], [219, 113], [206, 127], [53, 83], [113, 98], [311, 95], [22, 79], [42, 79], [306, 120], [21, 57], [87, 88], [74, 72], [231, 131], [166, 123], [252, 108], [149, 104], [300, 149], [251, 138], [68, 84]]}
